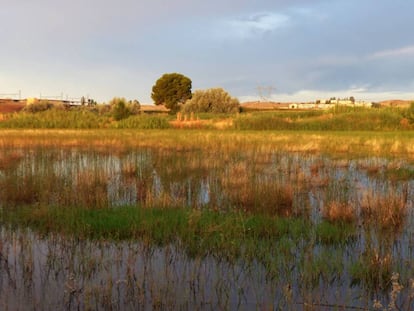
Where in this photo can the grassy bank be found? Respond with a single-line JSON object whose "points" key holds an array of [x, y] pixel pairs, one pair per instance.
{"points": [[336, 119]]}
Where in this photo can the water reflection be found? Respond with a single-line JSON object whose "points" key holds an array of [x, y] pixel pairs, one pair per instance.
{"points": [[55, 272]]}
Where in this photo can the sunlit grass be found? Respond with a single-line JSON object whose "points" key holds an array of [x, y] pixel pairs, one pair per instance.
{"points": [[291, 203], [354, 143]]}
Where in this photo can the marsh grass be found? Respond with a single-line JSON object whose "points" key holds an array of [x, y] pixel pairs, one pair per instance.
{"points": [[399, 174], [271, 201], [373, 271], [387, 210], [248, 193], [340, 233], [10, 160], [356, 144], [338, 205], [226, 235], [339, 212]]}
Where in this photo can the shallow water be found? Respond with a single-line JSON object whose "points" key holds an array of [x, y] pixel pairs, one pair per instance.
{"points": [[55, 272]]}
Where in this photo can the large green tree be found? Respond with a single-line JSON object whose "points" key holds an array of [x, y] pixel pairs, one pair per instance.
{"points": [[171, 90]]}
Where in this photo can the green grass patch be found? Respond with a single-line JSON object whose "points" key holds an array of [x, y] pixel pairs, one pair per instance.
{"points": [[143, 122], [81, 119], [335, 233], [199, 232]]}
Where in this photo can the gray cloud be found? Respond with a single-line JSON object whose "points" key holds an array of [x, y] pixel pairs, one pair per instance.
{"points": [[254, 25], [108, 46]]}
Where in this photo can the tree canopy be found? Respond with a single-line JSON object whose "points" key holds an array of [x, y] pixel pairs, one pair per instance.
{"points": [[214, 100], [171, 90]]}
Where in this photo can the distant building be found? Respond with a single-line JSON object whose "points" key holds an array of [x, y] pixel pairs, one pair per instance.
{"points": [[347, 102]]}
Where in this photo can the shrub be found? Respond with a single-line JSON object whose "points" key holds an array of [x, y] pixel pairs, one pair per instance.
{"points": [[121, 109], [409, 113], [134, 106], [41, 106], [214, 100]]}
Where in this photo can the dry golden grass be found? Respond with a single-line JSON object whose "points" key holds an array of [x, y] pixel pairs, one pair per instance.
{"points": [[91, 189], [316, 167], [244, 192], [388, 210], [129, 169], [339, 212], [396, 103], [347, 144]]}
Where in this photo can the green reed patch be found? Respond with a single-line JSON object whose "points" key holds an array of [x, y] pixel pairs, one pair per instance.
{"points": [[200, 232], [143, 122], [81, 119], [338, 233]]}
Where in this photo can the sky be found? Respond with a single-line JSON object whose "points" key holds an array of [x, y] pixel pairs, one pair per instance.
{"points": [[280, 50]]}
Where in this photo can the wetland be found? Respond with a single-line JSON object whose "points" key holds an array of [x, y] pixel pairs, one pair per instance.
{"points": [[184, 220]]}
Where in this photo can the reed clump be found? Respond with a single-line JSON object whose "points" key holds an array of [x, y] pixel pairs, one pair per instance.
{"points": [[388, 211], [24, 191], [91, 189], [335, 211], [246, 192], [373, 270], [338, 205]]}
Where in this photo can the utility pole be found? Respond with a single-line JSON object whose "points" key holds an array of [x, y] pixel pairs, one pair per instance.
{"points": [[265, 92]]}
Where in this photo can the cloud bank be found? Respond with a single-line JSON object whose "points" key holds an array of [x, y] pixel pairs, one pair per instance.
{"points": [[105, 48]]}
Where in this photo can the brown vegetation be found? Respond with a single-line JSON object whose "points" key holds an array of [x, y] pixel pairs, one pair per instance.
{"points": [[396, 103], [385, 210], [10, 106], [339, 212], [256, 105], [9, 160]]}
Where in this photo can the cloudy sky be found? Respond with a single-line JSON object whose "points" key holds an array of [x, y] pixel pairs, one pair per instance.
{"points": [[279, 49]]}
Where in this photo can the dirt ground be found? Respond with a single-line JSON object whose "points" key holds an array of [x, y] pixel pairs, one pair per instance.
{"points": [[10, 106], [396, 103]]}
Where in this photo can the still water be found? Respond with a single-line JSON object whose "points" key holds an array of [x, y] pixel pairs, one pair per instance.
{"points": [[54, 272]]}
